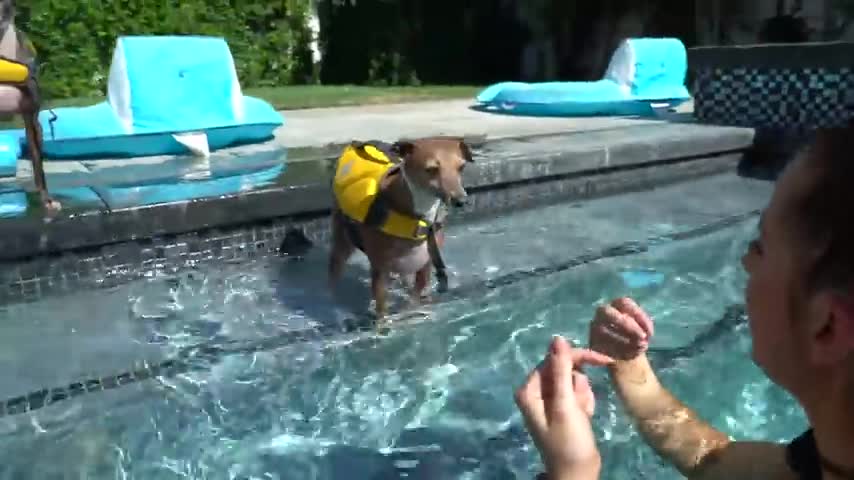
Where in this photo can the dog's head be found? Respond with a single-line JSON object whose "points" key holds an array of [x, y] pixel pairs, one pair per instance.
{"points": [[436, 165]]}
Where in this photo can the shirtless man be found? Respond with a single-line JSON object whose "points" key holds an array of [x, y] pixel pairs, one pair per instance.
{"points": [[800, 304]]}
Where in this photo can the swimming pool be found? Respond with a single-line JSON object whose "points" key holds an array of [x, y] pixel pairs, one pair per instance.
{"points": [[431, 400]]}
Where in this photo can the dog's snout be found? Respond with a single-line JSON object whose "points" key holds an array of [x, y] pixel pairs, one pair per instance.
{"points": [[454, 192], [460, 201]]}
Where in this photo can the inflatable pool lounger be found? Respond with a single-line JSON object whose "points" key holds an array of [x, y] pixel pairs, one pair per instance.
{"points": [[11, 146], [166, 95], [14, 203], [644, 74]]}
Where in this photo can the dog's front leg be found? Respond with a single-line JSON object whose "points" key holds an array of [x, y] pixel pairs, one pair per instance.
{"points": [[379, 284]]}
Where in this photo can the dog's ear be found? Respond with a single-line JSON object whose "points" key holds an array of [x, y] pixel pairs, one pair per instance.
{"points": [[464, 148], [403, 148]]}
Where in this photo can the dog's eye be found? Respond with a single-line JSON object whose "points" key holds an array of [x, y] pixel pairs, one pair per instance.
{"points": [[462, 167], [434, 170]]}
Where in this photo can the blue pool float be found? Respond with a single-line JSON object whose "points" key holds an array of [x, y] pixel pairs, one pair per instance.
{"points": [[641, 278], [14, 203], [11, 146], [124, 196], [160, 88], [644, 74]]}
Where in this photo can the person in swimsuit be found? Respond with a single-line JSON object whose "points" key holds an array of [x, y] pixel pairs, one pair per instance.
{"points": [[800, 304]]}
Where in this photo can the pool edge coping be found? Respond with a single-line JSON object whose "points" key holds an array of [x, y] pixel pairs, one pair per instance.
{"points": [[30, 237]]}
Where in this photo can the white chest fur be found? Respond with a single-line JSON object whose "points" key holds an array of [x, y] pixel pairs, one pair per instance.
{"points": [[424, 202]]}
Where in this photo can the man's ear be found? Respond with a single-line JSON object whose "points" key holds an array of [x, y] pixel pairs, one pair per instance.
{"points": [[464, 148], [834, 334], [844, 311], [403, 148]]}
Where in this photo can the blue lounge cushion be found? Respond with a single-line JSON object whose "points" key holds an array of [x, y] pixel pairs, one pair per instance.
{"points": [[10, 151], [160, 86], [643, 73]]}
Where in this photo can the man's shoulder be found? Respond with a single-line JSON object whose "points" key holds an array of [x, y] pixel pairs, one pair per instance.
{"points": [[748, 460]]}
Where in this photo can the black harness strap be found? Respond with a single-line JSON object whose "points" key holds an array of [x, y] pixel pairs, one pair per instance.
{"points": [[353, 232], [378, 211], [436, 258]]}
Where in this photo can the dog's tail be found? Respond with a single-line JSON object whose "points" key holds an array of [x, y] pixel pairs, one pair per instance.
{"points": [[295, 244]]}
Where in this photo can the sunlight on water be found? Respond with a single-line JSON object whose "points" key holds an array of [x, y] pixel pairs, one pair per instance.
{"points": [[429, 401]]}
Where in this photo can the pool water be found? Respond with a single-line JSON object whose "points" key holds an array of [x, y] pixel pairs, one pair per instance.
{"points": [[430, 400]]}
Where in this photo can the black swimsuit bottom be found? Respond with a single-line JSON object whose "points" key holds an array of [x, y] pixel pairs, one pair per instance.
{"points": [[802, 457]]}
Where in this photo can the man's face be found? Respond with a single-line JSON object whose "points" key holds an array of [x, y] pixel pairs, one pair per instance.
{"points": [[800, 338], [773, 263]]}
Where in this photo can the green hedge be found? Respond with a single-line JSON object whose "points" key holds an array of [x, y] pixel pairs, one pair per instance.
{"points": [[413, 42], [75, 39]]}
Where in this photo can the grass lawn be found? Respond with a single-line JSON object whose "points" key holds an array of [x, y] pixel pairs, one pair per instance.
{"points": [[319, 96], [316, 96]]}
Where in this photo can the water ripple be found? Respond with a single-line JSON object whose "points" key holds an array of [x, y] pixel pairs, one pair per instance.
{"points": [[252, 399]]}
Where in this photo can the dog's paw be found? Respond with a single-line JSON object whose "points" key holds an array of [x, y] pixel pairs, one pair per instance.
{"points": [[382, 325], [383, 330]]}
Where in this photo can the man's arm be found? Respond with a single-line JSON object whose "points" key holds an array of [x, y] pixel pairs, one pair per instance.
{"points": [[693, 446]]}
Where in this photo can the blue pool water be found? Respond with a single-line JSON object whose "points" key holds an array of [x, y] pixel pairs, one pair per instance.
{"points": [[432, 400]]}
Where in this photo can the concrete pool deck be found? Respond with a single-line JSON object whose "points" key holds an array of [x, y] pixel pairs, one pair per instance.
{"points": [[520, 162], [311, 133]]}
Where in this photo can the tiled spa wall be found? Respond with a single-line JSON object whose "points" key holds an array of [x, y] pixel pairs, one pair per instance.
{"points": [[103, 267], [777, 87]]}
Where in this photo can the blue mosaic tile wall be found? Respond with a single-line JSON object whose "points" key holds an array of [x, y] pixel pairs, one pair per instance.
{"points": [[793, 99], [116, 264]]}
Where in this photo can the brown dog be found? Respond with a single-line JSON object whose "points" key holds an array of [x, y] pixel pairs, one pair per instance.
{"points": [[415, 190]]}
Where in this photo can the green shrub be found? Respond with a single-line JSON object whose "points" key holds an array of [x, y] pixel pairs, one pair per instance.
{"points": [[367, 42], [75, 40]]}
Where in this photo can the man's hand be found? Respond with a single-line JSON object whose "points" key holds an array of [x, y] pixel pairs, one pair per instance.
{"points": [[557, 403], [621, 329]]}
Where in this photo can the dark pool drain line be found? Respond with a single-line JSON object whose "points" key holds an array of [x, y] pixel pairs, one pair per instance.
{"points": [[621, 250], [201, 357]]}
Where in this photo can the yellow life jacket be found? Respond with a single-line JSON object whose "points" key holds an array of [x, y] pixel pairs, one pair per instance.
{"points": [[358, 174], [12, 72], [16, 67]]}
